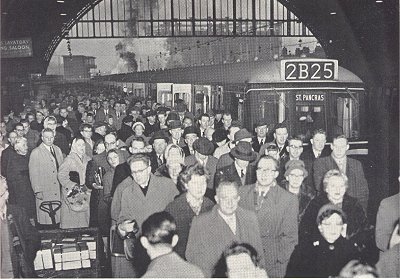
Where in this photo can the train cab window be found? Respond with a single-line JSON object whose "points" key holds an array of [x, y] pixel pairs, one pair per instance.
{"points": [[345, 114]]}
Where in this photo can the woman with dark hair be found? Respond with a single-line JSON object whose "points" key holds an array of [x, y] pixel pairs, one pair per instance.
{"points": [[189, 204], [325, 254], [240, 260]]}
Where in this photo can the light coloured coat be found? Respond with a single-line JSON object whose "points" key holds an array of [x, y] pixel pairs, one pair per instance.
{"points": [[43, 176], [70, 218]]}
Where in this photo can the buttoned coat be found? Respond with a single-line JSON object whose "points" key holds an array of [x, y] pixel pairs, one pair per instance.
{"points": [[137, 206], [43, 175], [183, 215], [211, 166], [70, 218], [210, 235], [357, 187], [277, 219]]}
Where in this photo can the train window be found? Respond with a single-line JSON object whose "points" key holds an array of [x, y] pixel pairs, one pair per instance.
{"points": [[346, 112]]}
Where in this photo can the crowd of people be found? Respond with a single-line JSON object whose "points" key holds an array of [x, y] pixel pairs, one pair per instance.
{"points": [[179, 195]]}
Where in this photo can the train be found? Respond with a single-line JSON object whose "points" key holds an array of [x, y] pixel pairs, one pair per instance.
{"points": [[306, 93]]}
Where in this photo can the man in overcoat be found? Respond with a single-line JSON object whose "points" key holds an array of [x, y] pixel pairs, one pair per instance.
{"points": [[212, 232], [277, 212], [44, 162]]}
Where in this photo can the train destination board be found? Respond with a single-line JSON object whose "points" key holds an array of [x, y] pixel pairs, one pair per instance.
{"points": [[309, 70]]}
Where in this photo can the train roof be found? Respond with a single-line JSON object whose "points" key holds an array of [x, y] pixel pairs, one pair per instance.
{"points": [[231, 73]]}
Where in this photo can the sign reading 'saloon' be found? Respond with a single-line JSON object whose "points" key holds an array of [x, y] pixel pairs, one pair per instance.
{"points": [[14, 48]]}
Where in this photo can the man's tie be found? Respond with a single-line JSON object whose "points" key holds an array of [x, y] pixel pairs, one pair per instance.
{"points": [[54, 155], [261, 142], [159, 159], [241, 173]]}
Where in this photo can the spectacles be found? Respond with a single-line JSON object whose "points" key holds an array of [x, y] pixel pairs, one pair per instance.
{"points": [[110, 143], [332, 224], [296, 175], [266, 170], [87, 131], [139, 171]]}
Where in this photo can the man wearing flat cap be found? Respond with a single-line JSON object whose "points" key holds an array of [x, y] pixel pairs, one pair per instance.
{"points": [[240, 171], [190, 134], [175, 129], [203, 150], [240, 136]]}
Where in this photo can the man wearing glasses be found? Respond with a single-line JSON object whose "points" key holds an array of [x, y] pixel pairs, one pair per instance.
{"points": [[277, 212], [137, 197]]}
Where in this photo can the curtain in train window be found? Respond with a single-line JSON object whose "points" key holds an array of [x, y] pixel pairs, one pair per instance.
{"points": [[347, 120], [269, 106]]}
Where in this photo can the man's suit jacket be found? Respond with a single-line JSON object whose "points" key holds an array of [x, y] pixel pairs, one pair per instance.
{"points": [[101, 115], [358, 186], [256, 145], [211, 166], [230, 173], [43, 175], [181, 142], [155, 164], [277, 219], [308, 158], [209, 236]]}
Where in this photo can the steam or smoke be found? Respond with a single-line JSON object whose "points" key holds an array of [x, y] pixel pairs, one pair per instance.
{"points": [[128, 57]]}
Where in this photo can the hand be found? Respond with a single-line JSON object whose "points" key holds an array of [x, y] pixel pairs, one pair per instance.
{"points": [[127, 226], [39, 195], [97, 187]]}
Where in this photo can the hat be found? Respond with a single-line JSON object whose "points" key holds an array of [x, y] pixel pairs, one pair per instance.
{"points": [[162, 110], [220, 135], [330, 207], [99, 124], [181, 107], [243, 151], [138, 123], [173, 116], [160, 134], [151, 113], [295, 165], [127, 119], [174, 124], [191, 130], [203, 146], [242, 134]]}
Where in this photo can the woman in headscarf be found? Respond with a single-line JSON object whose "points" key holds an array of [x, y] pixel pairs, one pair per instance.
{"points": [[75, 196], [19, 184]]}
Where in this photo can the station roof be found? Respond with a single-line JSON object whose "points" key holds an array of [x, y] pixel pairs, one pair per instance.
{"points": [[362, 34]]}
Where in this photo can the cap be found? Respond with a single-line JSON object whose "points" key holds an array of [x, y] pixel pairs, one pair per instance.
{"points": [[204, 146], [98, 124], [151, 113], [242, 134]]}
